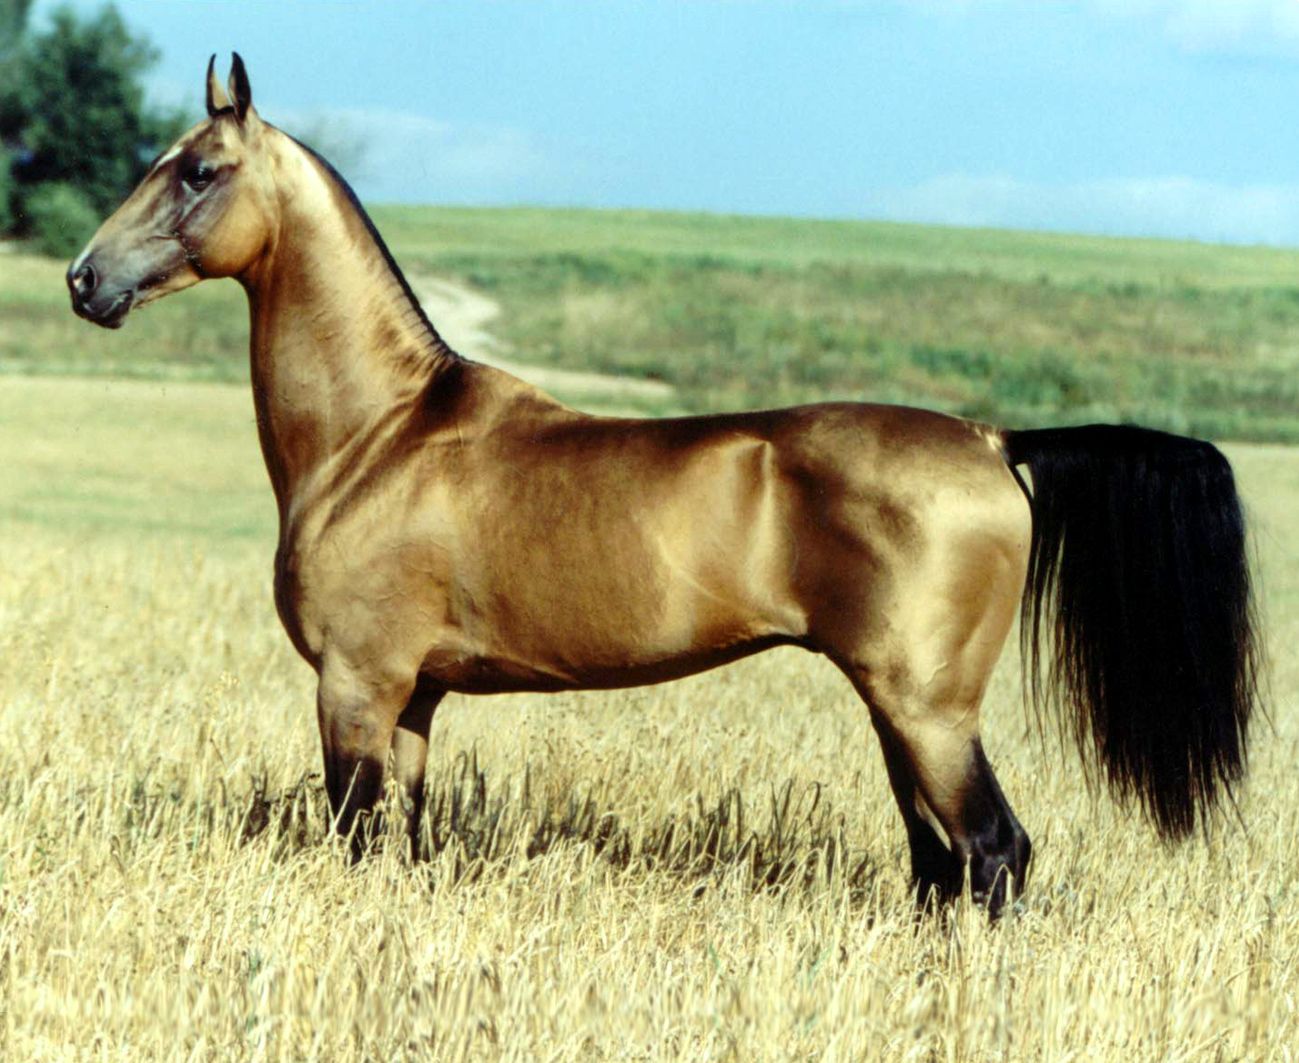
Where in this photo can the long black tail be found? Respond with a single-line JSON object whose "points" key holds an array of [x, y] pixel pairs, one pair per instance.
{"points": [[1138, 567]]}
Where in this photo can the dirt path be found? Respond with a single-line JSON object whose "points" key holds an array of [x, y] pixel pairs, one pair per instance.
{"points": [[462, 316]]}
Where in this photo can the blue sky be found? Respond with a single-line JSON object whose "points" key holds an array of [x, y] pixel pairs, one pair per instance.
{"points": [[1131, 117]]}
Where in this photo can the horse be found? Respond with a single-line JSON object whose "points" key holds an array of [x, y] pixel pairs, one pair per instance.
{"points": [[444, 526]]}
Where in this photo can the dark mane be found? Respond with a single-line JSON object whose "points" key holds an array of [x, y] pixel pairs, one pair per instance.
{"points": [[340, 182]]}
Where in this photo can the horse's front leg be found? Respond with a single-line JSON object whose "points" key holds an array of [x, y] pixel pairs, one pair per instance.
{"points": [[410, 756], [358, 714]]}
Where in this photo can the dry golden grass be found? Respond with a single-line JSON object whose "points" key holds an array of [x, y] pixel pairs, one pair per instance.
{"points": [[167, 888]]}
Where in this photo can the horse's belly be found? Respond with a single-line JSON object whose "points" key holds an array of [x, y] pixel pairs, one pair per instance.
{"points": [[503, 671], [611, 607]]}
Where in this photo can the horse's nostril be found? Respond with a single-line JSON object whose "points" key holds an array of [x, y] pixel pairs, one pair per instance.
{"points": [[84, 280]]}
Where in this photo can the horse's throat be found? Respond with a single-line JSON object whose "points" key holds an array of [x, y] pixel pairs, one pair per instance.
{"points": [[322, 378]]}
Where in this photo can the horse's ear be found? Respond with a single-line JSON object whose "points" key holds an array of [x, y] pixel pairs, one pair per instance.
{"points": [[216, 95], [241, 93]]}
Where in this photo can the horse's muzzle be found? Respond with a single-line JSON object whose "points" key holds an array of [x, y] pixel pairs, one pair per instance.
{"points": [[95, 301]]}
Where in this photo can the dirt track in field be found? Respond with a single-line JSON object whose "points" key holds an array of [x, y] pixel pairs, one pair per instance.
{"points": [[464, 316]]}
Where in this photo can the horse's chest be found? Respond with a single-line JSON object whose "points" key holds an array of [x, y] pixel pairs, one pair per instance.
{"points": [[290, 602], [358, 595]]}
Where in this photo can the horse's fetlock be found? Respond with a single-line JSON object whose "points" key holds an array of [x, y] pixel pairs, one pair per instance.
{"points": [[998, 865]]}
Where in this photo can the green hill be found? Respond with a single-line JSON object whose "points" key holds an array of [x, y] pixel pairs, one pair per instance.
{"points": [[738, 312]]}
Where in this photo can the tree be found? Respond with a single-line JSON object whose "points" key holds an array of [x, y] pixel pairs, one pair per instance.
{"points": [[13, 20], [72, 107]]}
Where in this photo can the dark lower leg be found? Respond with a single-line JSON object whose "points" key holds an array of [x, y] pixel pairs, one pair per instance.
{"points": [[409, 757], [356, 718], [986, 840], [994, 845], [936, 872], [354, 785]]}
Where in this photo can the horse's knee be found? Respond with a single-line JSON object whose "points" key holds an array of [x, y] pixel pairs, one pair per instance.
{"points": [[356, 727], [358, 712]]}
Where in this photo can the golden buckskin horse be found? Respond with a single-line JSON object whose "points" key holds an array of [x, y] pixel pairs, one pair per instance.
{"points": [[447, 527]]}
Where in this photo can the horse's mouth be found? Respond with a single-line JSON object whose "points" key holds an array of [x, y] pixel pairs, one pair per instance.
{"points": [[110, 316]]}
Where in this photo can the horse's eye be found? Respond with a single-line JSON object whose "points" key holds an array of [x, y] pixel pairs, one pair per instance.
{"points": [[198, 176]]}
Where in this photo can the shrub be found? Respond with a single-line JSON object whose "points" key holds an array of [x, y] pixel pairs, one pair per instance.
{"points": [[60, 219], [6, 192]]}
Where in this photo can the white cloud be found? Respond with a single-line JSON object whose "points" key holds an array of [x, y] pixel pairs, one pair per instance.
{"points": [[398, 155], [1178, 207], [1233, 27]]}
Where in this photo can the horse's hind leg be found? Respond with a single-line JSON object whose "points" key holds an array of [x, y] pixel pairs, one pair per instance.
{"points": [[936, 871], [921, 662], [410, 756], [957, 818]]}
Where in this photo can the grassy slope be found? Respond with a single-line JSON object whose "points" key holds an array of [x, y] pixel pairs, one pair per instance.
{"points": [[167, 891], [1019, 328]]}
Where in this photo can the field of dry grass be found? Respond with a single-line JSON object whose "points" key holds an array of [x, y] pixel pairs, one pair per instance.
{"points": [[711, 869]]}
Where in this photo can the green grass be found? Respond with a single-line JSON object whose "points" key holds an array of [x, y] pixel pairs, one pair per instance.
{"points": [[199, 335], [141, 461], [735, 312]]}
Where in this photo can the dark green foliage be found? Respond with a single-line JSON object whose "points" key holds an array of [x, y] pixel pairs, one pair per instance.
{"points": [[13, 20], [71, 100], [61, 219], [6, 191]]}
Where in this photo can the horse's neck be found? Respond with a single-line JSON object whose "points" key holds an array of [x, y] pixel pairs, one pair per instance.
{"points": [[337, 346]]}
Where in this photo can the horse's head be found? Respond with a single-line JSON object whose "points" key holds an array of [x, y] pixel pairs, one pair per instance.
{"points": [[202, 210]]}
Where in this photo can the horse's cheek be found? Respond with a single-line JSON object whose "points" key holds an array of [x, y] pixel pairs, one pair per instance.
{"points": [[237, 238]]}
